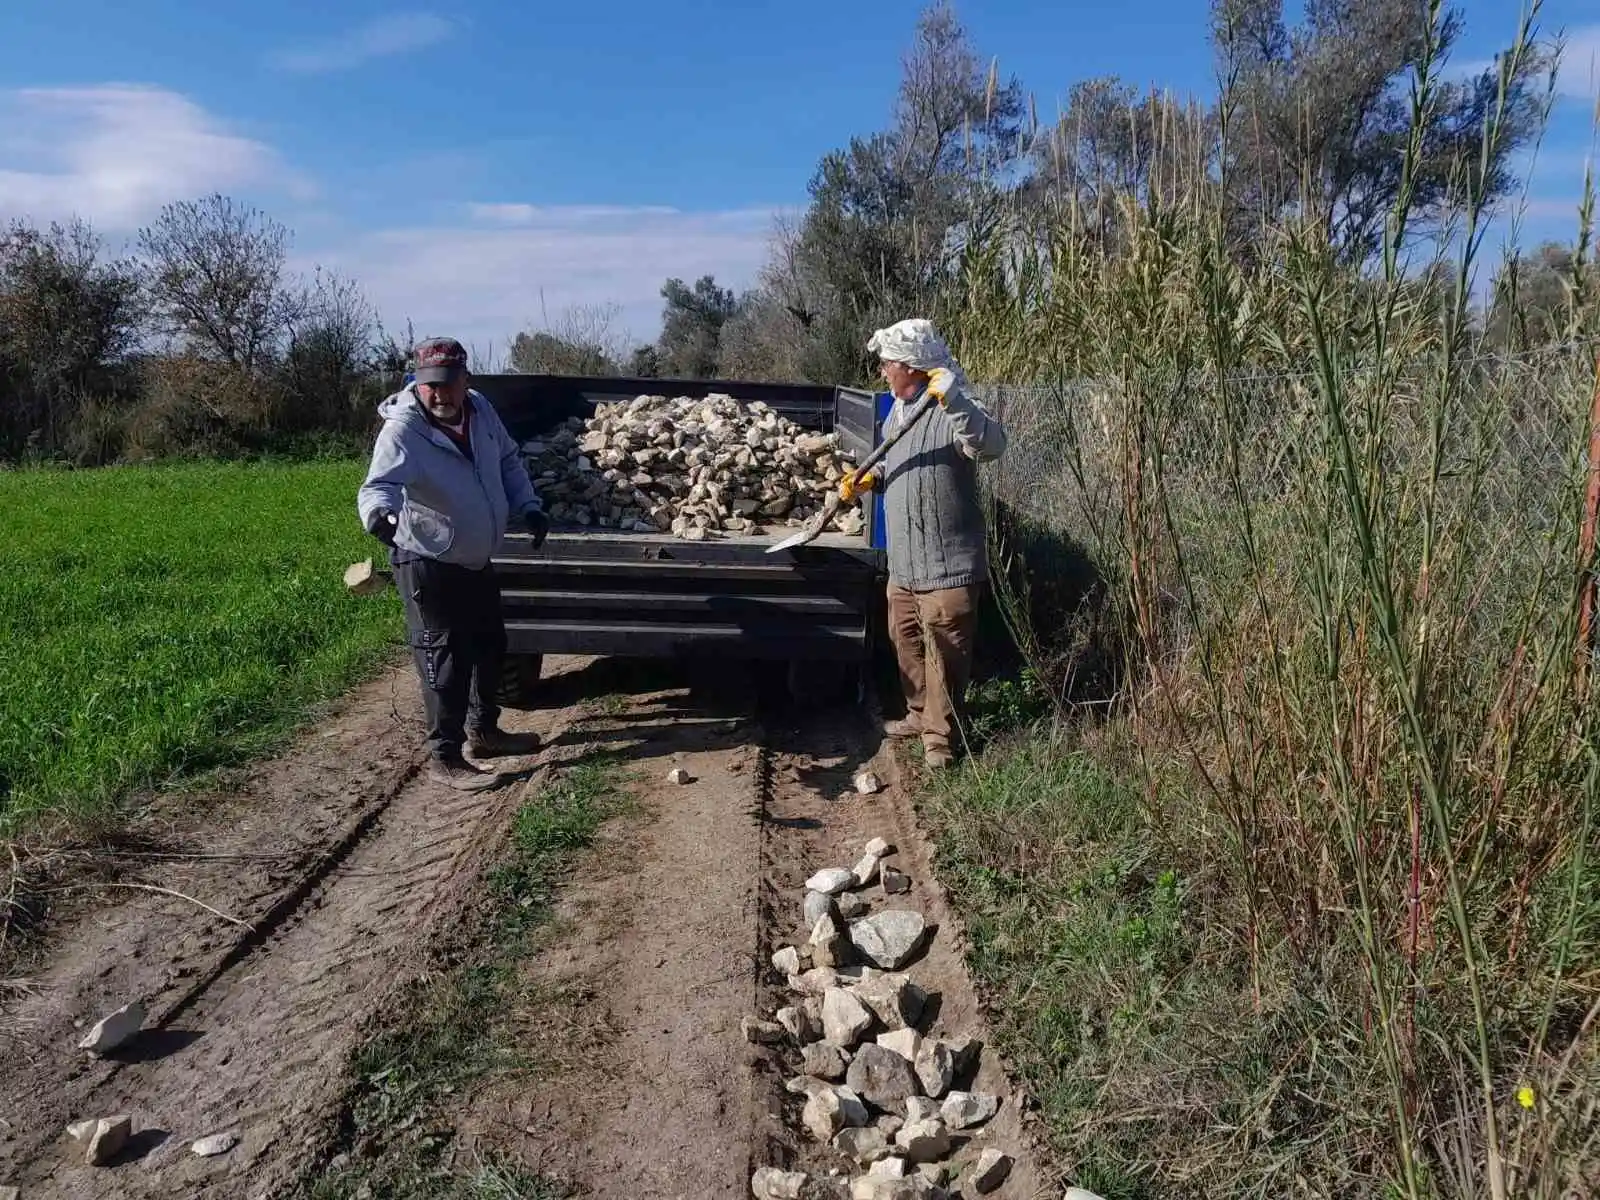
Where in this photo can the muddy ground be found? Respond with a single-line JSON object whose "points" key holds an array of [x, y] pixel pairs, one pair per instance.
{"points": [[295, 909]]}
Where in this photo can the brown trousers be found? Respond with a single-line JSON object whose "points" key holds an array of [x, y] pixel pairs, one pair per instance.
{"points": [[932, 634]]}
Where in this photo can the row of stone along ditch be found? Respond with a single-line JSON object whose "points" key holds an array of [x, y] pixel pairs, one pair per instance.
{"points": [[885, 1098]]}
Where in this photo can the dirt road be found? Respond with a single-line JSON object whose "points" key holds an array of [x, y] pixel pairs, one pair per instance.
{"points": [[291, 910]]}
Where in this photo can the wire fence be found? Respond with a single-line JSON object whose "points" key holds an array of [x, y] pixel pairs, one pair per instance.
{"points": [[1235, 487]]}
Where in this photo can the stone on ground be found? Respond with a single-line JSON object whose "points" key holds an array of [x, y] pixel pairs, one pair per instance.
{"points": [[805, 1085], [894, 883], [853, 905], [829, 945], [796, 1023], [818, 905], [882, 1078], [823, 1115], [771, 1183], [830, 1109], [825, 1061], [761, 1033], [904, 1042], [10, 1193], [102, 1139], [868, 784], [913, 1187], [893, 1167], [217, 1143], [1078, 1193], [679, 775], [865, 870], [920, 1108], [865, 1144], [936, 1068], [891, 1124], [989, 1173], [830, 881], [816, 981], [965, 1050], [893, 999], [964, 1110], [786, 961], [114, 1029], [889, 939], [879, 848], [845, 1020], [924, 1141]]}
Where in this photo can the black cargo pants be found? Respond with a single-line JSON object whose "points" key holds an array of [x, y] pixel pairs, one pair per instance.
{"points": [[458, 639]]}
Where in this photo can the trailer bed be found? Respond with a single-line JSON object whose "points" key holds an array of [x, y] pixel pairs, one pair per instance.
{"points": [[593, 590]]}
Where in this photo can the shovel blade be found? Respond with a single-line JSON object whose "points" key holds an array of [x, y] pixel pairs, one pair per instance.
{"points": [[812, 531], [790, 542]]}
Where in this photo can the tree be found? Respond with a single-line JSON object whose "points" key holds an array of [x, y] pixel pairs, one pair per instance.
{"points": [[1542, 299], [216, 277], [581, 341], [1111, 142], [1320, 115], [332, 355], [67, 322], [644, 363], [883, 234], [691, 327]]}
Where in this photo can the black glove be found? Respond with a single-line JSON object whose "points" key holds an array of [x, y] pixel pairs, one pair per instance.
{"points": [[538, 525], [384, 524]]}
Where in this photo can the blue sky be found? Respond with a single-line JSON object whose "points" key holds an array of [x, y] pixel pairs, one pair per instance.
{"points": [[478, 165]]}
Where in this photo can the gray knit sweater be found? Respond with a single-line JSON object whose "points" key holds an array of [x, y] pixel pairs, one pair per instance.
{"points": [[932, 514]]}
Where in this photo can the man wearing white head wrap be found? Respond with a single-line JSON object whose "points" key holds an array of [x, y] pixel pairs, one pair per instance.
{"points": [[938, 560]]}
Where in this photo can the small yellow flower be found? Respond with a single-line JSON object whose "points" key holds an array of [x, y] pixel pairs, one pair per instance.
{"points": [[1525, 1096]]}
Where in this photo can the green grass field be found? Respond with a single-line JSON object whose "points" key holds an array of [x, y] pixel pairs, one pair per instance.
{"points": [[162, 622]]}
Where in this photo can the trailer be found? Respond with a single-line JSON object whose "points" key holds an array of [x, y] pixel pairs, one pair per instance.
{"points": [[815, 610]]}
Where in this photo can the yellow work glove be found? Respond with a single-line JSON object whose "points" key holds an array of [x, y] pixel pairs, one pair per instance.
{"points": [[940, 382], [856, 483]]}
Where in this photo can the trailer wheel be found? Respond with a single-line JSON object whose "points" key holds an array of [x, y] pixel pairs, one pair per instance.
{"points": [[519, 680]]}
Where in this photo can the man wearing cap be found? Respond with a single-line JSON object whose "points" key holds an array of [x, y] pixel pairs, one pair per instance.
{"points": [[445, 481], [938, 550]]}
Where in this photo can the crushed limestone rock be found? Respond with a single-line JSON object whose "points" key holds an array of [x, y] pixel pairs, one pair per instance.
{"points": [[889, 939], [114, 1029], [698, 469]]}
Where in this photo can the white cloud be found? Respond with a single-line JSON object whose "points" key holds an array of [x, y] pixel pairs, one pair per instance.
{"points": [[399, 33], [1579, 75], [566, 214], [483, 284], [115, 153]]}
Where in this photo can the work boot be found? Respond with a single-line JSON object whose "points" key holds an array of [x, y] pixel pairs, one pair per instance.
{"points": [[906, 727], [458, 773], [499, 743]]}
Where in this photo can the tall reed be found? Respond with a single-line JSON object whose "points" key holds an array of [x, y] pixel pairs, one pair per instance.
{"points": [[1353, 551]]}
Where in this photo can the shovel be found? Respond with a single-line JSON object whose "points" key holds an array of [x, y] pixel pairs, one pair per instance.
{"points": [[820, 522]]}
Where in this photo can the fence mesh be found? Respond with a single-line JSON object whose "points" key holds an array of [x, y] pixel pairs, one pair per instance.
{"points": [[1231, 489]]}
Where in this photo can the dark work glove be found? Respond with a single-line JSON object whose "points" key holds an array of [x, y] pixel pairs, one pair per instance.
{"points": [[384, 524], [538, 525]]}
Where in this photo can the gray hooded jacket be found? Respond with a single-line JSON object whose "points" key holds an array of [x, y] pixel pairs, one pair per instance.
{"points": [[450, 507], [933, 512]]}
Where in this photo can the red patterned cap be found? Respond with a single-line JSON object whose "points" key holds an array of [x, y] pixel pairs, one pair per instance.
{"points": [[439, 360]]}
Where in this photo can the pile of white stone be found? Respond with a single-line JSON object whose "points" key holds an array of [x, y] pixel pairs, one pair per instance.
{"points": [[877, 1091], [698, 469]]}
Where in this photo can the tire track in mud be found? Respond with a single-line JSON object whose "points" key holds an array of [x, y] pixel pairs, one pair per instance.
{"points": [[258, 1043]]}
